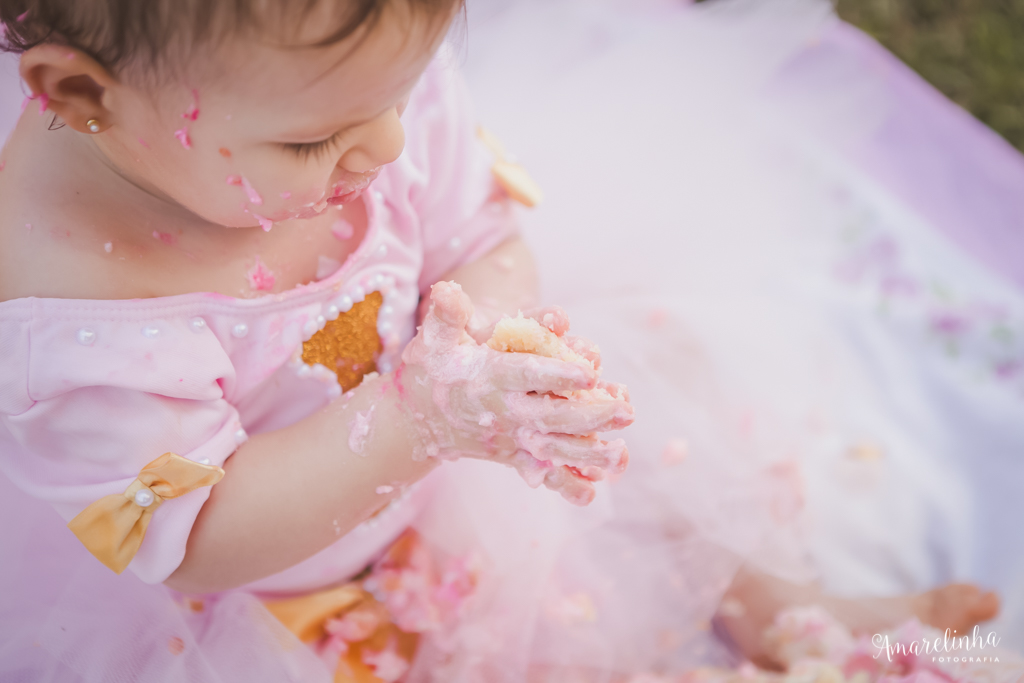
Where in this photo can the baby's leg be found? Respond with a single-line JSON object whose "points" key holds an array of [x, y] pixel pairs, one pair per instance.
{"points": [[754, 598]]}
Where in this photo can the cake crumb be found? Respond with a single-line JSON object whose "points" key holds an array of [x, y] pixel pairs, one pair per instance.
{"points": [[342, 229], [526, 335]]}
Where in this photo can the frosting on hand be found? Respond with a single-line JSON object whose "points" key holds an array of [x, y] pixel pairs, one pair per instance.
{"points": [[534, 413]]}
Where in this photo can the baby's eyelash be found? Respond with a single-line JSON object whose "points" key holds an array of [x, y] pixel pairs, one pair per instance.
{"points": [[305, 150]]}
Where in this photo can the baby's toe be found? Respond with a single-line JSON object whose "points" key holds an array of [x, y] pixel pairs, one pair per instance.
{"points": [[960, 606], [985, 607]]}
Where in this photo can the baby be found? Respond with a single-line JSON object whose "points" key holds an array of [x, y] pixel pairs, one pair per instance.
{"points": [[213, 246], [226, 155]]}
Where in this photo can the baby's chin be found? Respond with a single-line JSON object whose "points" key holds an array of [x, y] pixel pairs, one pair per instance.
{"points": [[312, 211], [342, 192], [353, 185], [309, 212], [306, 212]]}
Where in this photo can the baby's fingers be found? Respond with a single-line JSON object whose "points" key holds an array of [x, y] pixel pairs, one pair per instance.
{"points": [[614, 390], [573, 487], [585, 348], [568, 481], [552, 317], [525, 372], [593, 458], [548, 415], [450, 310]]}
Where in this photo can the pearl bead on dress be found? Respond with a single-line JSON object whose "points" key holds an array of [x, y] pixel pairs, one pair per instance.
{"points": [[239, 330], [144, 498], [151, 331], [86, 337], [323, 373], [197, 324]]}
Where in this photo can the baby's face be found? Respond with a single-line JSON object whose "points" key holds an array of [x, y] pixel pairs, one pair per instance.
{"points": [[268, 134]]}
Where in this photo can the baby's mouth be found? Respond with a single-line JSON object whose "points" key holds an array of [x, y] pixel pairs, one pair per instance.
{"points": [[351, 187], [342, 192]]}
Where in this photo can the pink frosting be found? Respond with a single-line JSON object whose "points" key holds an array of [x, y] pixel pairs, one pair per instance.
{"points": [[183, 138], [359, 431], [251, 192], [192, 113], [260, 277]]}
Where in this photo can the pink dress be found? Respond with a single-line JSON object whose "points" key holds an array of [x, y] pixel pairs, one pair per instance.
{"points": [[91, 391]]}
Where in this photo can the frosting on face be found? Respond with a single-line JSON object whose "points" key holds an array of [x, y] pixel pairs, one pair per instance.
{"points": [[470, 400], [314, 132], [260, 277]]}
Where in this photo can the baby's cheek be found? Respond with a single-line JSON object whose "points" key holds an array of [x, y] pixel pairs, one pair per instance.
{"points": [[287, 190], [243, 194], [207, 194]]}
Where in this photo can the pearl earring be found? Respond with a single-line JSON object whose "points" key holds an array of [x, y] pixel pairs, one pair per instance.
{"points": [[93, 125]]}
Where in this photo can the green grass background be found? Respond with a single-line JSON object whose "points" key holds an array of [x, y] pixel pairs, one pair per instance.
{"points": [[972, 50]]}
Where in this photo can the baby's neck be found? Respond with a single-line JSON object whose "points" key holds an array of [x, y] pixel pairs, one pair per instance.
{"points": [[73, 226]]}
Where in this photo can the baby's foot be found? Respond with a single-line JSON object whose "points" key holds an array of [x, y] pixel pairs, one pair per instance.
{"points": [[754, 599], [957, 607]]}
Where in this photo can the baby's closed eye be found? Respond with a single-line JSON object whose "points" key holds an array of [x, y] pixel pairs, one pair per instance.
{"points": [[305, 150]]}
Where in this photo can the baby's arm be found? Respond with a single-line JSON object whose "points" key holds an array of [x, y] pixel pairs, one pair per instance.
{"points": [[290, 493], [504, 281]]}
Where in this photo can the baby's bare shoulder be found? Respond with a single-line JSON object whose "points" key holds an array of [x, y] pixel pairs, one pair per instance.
{"points": [[50, 261]]}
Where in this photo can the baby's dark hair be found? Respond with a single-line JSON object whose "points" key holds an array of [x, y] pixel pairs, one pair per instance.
{"points": [[155, 33]]}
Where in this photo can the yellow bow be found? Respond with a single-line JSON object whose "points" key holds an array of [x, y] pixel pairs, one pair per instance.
{"points": [[512, 177], [305, 616], [113, 527]]}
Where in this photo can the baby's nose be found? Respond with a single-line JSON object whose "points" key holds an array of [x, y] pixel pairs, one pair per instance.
{"points": [[377, 142]]}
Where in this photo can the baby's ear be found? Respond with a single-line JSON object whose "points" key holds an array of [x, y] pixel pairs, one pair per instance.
{"points": [[69, 83]]}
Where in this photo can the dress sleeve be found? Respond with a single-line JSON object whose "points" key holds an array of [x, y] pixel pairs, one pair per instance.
{"points": [[84, 406], [462, 212]]}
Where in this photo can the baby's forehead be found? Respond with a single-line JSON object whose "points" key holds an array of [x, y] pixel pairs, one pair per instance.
{"points": [[356, 77], [155, 41]]}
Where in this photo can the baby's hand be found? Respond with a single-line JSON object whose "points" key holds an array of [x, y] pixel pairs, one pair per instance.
{"points": [[469, 400]]}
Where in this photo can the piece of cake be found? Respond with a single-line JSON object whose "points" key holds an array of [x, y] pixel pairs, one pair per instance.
{"points": [[526, 335]]}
